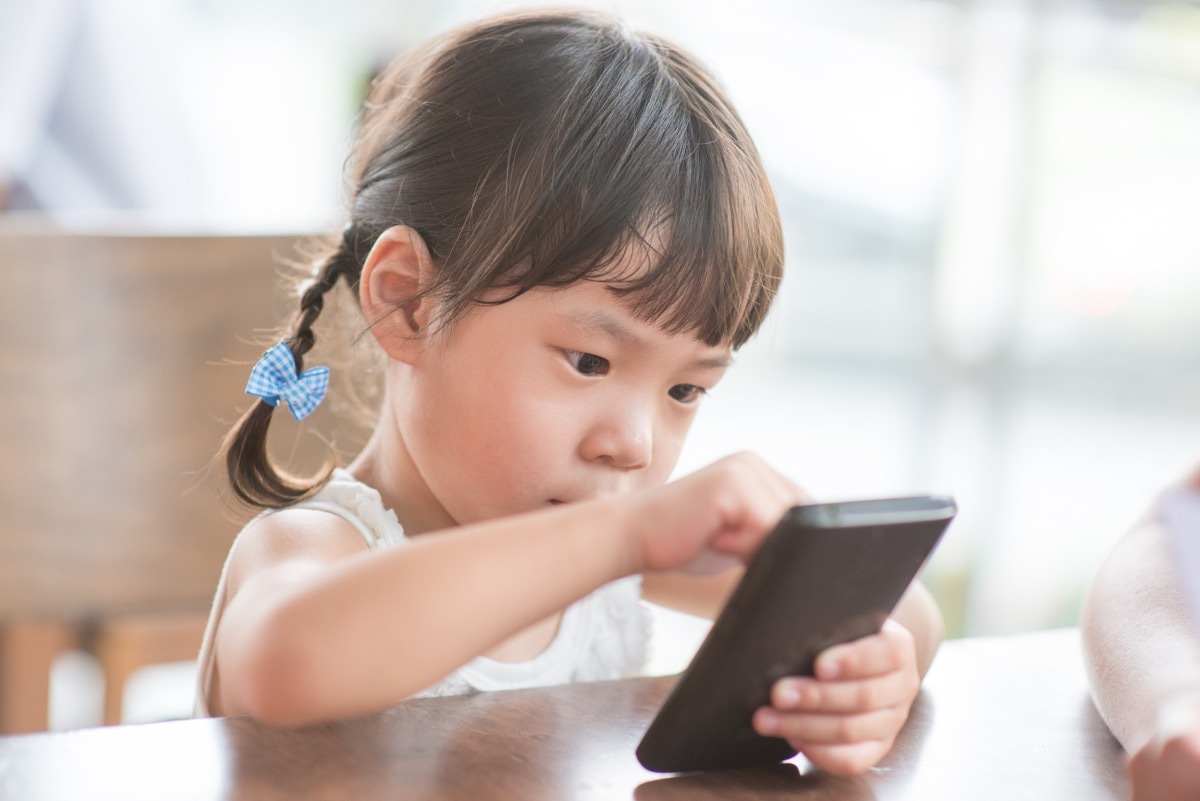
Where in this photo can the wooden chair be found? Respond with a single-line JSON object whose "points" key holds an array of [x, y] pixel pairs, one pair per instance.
{"points": [[114, 395]]}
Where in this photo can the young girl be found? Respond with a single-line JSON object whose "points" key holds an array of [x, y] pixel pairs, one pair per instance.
{"points": [[559, 232]]}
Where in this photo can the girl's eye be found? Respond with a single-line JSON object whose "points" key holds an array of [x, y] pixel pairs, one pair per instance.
{"points": [[587, 363], [686, 393]]}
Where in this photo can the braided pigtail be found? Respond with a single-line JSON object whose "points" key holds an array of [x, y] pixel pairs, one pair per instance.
{"points": [[254, 478]]}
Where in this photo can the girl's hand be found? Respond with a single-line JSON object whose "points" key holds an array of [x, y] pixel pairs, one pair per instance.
{"points": [[1168, 766], [846, 719], [709, 518]]}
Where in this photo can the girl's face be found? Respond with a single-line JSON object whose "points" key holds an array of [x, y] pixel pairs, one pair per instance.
{"points": [[560, 395]]}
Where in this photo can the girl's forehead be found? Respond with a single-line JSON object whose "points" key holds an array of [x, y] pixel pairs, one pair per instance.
{"points": [[596, 307], [636, 283]]}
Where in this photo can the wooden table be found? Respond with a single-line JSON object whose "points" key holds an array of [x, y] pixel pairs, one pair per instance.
{"points": [[1004, 718]]}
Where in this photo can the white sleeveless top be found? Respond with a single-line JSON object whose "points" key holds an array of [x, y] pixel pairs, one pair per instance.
{"points": [[604, 635]]}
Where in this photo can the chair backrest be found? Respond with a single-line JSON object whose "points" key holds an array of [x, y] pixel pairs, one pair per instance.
{"points": [[115, 390]]}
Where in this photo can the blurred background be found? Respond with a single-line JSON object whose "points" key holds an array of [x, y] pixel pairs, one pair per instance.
{"points": [[992, 211]]}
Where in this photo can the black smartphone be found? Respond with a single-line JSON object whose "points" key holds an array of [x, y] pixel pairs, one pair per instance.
{"points": [[828, 573]]}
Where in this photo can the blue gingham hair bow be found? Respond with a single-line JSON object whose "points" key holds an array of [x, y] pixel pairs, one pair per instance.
{"points": [[274, 377]]}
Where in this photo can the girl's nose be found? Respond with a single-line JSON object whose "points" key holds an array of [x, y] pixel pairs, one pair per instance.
{"points": [[623, 437]]}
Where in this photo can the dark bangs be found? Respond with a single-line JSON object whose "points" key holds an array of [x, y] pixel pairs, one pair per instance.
{"points": [[586, 144], [710, 223]]}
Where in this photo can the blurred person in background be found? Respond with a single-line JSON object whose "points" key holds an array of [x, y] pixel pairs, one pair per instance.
{"points": [[1142, 651], [92, 109]]}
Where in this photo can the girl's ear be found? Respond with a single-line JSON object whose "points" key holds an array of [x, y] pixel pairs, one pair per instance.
{"points": [[395, 277]]}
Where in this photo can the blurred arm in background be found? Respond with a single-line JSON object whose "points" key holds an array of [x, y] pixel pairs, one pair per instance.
{"points": [[1143, 659]]}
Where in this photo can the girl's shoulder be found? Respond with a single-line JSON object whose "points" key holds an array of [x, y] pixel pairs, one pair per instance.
{"points": [[356, 503], [344, 517]]}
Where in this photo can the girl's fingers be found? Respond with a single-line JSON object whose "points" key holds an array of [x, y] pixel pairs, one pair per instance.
{"points": [[844, 760], [771, 488], [830, 729], [763, 496], [809, 695], [889, 650]]}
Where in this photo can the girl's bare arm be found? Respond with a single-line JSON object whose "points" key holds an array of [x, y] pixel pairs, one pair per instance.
{"points": [[318, 628]]}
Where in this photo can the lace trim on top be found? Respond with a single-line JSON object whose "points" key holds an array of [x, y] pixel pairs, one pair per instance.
{"points": [[360, 505]]}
